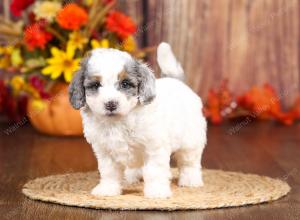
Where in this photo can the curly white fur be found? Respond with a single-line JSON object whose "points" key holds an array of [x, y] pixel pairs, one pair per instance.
{"points": [[140, 142]]}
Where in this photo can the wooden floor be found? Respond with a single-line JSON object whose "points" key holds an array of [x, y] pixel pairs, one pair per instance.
{"points": [[261, 148]]}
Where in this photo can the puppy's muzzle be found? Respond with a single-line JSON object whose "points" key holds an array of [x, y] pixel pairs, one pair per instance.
{"points": [[111, 106]]}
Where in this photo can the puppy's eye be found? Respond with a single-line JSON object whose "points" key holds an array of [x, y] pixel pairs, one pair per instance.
{"points": [[94, 85], [125, 84]]}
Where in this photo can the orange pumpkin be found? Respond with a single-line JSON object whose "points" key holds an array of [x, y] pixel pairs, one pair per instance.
{"points": [[56, 116]]}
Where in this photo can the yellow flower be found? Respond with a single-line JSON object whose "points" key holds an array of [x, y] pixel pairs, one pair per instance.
{"points": [[6, 50], [77, 40], [104, 43], [88, 2], [4, 62], [46, 10], [61, 62], [17, 83], [129, 44], [31, 90], [16, 58], [39, 104], [5, 57]]}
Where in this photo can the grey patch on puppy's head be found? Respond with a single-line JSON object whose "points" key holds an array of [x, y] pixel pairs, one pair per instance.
{"points": [[76, 88], [131, 80], [145, 79]]}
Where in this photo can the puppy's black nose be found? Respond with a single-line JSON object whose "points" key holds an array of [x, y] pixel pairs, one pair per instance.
{"points": [[111, 106]]}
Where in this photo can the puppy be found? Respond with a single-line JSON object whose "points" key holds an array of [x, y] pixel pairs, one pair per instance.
{"points": [[134, 122]]}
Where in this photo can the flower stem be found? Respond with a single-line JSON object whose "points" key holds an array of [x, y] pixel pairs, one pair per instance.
{"points": [[56, 34], [98, 19]]}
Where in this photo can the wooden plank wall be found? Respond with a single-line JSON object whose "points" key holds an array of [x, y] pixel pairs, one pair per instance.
{"points": [[249, 42]]}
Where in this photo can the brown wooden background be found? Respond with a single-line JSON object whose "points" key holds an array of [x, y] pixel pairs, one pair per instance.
{"points": [[249, 42]]}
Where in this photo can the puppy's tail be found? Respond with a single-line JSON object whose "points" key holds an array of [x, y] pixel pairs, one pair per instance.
{"points": [[167, 62]]}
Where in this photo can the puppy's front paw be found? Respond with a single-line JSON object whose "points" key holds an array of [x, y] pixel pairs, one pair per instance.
{"points": [[107, 189], [190, 178], [157, 191]]}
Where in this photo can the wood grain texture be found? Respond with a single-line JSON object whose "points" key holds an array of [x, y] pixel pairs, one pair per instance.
{"points": [[25, 155], [249, 42], [134, 8]]}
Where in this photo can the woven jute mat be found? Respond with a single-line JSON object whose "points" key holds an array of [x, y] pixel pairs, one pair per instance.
{"points": [[221, 189]]}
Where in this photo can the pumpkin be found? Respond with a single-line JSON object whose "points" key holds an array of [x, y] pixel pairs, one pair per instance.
{"points": [[56, 115]]}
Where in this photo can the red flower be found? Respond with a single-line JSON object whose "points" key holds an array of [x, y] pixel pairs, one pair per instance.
{"points": [[36, 37], [72, 17], [17, 6], [3, 95], [39, 85], [121, 24], [14, 108]]}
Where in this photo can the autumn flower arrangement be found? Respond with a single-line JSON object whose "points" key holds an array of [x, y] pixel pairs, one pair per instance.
{"points": [[45, 46], [259, 102]]}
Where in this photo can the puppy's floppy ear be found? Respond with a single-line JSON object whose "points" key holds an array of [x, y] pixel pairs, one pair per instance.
{"points": [[146, 79], [76, 89]]}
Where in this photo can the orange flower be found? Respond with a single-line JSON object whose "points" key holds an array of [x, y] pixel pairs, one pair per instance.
{"points": [[264, 103], [217, 101], [72, 17], [36, 37], [120, 24]]}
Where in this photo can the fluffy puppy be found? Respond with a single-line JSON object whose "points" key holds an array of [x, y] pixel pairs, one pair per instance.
{"points": [[134, 122]]}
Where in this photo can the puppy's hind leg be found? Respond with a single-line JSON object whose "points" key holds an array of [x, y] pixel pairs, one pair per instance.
{"points": [[189, 164]]}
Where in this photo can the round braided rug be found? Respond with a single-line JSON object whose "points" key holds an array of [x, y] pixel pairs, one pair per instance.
{"points": [[221, 189]]}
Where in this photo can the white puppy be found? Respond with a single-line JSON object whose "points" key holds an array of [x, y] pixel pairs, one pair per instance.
{"points": [[134, 122]]}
